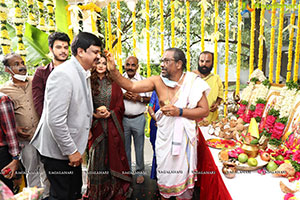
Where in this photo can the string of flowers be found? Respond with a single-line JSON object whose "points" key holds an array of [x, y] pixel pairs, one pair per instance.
{"points": [[42, 22], [261, 38], [252, 35], [119, 59], [18, 21], [80, 18], [70, 30], [50, 8], [188, 56], [297, 50], [239, 48], [161, 10], [279, 46], [134, 32], [98, 22], [106, 38], [272, 41], [148, 36], [216, 40], [31, 15], [4, 40], [172, 23], [245, 97], [202, 26], [290, 51], [226, 55], [109, 28]]}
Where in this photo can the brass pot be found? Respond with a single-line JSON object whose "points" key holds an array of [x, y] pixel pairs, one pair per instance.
{"points": [[229, 169], [250, 149]]}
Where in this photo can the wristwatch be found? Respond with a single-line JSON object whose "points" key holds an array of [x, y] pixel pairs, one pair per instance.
{"points": [[17, 157], [142, 100]]}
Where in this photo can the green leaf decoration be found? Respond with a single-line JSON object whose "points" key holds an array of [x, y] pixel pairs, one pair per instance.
{"points": [[36, 43], [61, 18]]}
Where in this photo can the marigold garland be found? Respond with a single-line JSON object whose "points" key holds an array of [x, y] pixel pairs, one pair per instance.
{"points": [[297, 50], [290, 51], [216, 41], [41, 25], [119, 59], [70, 31], [172, 23], [251, 59], [202, 27], [239, 48], [106, 37], [188, 56], [148, 37], [272, 41], [279, 46], [261, 38], [4, 40], [80, 18], [109, 27], [31, 15], [50, 8], [18, 21], [226, 55], [161, 10], [134, 32]]}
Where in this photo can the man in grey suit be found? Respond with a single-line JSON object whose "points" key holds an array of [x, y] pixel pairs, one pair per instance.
{"points": [[62, 134]]}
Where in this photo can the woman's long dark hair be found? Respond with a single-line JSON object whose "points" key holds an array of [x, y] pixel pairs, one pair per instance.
{"points": [[94, 79]]}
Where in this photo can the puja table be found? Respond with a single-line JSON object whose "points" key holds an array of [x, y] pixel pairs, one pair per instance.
{"points": [[248, 185]]}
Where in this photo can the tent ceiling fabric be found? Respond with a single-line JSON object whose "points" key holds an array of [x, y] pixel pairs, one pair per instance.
{"points": [[103, 3]]}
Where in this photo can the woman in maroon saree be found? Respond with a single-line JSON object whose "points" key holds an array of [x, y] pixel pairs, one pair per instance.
{"points": [[108, 176]]}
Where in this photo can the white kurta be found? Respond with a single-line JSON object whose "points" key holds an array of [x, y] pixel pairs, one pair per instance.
{"points": [[176, 145]]}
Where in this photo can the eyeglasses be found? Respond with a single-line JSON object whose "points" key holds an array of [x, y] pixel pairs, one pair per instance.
{"points": [[166, 61]]}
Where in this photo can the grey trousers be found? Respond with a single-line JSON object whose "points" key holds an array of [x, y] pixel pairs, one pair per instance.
{"points": [[35, 173], [135, 127]]}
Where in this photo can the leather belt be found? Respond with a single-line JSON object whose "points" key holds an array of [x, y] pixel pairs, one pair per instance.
{"points": [[133, 116]]}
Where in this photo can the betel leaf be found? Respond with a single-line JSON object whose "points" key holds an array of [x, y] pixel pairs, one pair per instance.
{"points": [[244, 102], [36, 43], [274, 141], [260, 101], [61, 19], [252, 107], [254, 79], [273, 112], [292, 85], [282, 120], [266, 83]]}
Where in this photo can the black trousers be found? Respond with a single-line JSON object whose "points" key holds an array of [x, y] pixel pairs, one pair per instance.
{"points": [[5, 159], [65, 181]]}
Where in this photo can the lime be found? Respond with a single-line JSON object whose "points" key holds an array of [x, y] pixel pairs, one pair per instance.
{"points": [[243, 158]]}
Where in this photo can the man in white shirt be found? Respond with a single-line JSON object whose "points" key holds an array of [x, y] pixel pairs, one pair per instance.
{"points": [[134, 118]]}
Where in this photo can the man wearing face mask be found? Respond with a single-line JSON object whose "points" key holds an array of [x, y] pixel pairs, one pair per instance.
{"points": [[215, 97], [134, 119], [59, 46], [19, 89]]}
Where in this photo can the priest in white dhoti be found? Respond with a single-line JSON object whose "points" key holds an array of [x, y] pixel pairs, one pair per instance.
{"points": [[182, 98]]}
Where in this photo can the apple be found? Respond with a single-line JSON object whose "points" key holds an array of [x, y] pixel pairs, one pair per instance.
{"points": [[243, 158], [265, 156], [272, 166], [252, 162], [279, 157]]}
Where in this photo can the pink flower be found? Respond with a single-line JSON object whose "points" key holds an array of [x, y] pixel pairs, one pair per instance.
{"points": [[288, 196], [241, 109], [233, 154], [278, 162], [239, 150], [261, 171], [295, 177], [270, 122], [296, 156]]}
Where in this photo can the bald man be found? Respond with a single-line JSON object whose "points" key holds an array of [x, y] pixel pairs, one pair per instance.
{"points": [[134, 118]]}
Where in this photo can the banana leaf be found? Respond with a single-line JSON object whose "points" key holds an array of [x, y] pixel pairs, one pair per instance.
{"points": [[61, 19], [36, 44]]}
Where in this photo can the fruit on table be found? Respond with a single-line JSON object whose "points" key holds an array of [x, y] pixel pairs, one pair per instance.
{"points": [[279, 157], [243, 158], [252, 162], [265, 156], [272, 166], [254, 141]]}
